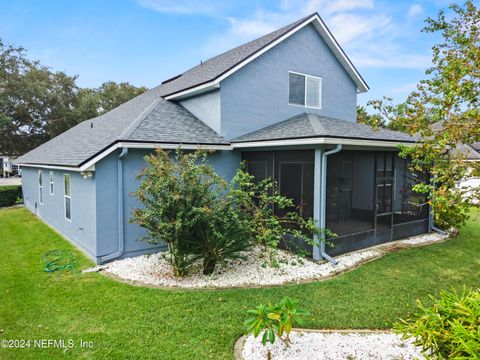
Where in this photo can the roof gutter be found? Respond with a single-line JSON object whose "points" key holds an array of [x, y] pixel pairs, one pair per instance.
{"points": [[121, 237], [150, 145], [320, 141]]}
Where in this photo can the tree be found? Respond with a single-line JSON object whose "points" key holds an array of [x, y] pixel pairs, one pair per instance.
{"points": [[96, 101], [363, 117], [444, 112], [37, 104]]}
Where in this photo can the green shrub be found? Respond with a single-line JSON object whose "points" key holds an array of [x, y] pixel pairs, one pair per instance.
{"points": [[450, 329], [184, 205], [268, 216], [9, 195], [274, 320]]}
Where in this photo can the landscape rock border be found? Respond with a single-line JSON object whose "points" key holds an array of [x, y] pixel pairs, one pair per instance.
{"points": [[374, 253], [241, 341]]}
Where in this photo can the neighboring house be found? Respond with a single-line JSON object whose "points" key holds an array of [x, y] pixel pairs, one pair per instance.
{"points": [[285, 103], [472, 152], [7, 167]]}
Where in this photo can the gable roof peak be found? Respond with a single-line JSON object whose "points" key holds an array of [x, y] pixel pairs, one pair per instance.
{"points": [[208, 75]]}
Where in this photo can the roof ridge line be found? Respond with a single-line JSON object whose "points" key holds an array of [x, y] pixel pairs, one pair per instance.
{"points": [[317, 126], [129, 130]]}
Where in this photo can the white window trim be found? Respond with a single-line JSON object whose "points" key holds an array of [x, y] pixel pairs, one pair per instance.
{"points": [[305, 98], [40, 187], [65, 197], [51, 182]]}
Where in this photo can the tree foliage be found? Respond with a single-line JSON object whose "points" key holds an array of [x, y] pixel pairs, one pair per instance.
{"points": [[36, 103], [269, 217], [444, 112], [363, 117]]}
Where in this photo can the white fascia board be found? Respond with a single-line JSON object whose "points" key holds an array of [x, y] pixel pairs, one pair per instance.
{"points": [[54, 167], [319, 141], [340, 54], [99, 157], [326, 35], [134, 145]]}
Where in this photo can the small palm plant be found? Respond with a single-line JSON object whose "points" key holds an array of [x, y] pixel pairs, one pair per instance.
{"points": [[274, 321]]}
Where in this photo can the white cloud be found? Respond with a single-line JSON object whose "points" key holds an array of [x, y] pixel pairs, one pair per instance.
{"points": [[414, 10], [350, 27], [348, 5], [212, 7], [369, 34], [392, 60]]}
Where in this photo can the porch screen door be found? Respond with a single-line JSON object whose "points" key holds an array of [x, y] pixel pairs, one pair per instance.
{"points": [[385, 182]]}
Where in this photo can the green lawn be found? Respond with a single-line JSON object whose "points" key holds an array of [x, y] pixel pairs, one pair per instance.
{"points": [[131, 322]]}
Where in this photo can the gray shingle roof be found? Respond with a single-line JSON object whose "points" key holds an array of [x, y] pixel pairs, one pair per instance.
{"points": [[148, 117], [220, 64], [145, 118], [476, 146], [308, 125]]}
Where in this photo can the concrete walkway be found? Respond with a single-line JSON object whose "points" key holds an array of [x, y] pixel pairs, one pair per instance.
{"points": [[10, 181]]}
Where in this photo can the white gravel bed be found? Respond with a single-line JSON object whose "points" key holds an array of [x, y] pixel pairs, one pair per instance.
{"points": [[423, 239], [308, 345], [254, 271]]}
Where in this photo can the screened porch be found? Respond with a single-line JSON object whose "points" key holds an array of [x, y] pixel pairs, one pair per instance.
{"points": [[369, 197]]}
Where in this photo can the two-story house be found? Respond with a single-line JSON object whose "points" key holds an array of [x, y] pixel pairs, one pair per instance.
{"points": [[285, 103]]}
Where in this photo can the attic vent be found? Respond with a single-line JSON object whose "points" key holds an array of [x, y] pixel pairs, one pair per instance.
{"points": [[171, 79]]}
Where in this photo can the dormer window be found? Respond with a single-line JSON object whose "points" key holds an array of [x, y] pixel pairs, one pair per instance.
{"points": [[304, 90]]}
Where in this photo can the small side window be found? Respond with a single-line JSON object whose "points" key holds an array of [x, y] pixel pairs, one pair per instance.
{"points": [[51, 182], [67, 197], [40, 187]]}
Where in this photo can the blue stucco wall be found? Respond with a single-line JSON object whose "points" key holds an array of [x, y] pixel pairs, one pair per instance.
{"points": [[224, 162], [206, 107], [81, 230], [257, 95]]}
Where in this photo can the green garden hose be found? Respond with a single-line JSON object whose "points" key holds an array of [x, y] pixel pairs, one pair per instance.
{"points": [[59, 260]]}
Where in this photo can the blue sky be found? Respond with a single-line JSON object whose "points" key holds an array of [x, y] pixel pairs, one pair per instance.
{"points": [[147, 41]]}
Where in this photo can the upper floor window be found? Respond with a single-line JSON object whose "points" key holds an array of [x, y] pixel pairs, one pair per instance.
{"points": [[304, 90]]}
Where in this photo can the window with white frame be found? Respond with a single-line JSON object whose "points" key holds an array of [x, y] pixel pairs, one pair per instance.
{"points": [[51, 182], [40, 187], [67, 196], [304, 90]]}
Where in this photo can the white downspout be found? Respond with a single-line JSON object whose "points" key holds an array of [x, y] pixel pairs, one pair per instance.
{"points": [[121, 238], [320, 182]]}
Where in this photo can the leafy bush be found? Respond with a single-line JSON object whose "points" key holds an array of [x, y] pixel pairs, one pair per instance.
{"points": [[268, 216], [185, 207], [450, 329], [201, 217], [223, 238], [9, 195], [274, 320]]}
